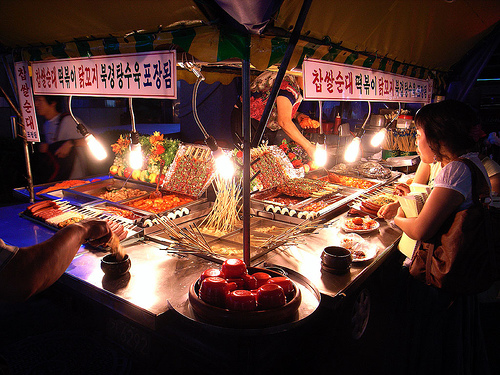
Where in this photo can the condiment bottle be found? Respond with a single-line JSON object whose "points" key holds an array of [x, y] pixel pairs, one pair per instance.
{"points": [[336, 125]]}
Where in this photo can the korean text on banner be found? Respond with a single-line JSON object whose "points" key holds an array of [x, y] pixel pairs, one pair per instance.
{"points": [[143, 75], [26, 101], [324, 80]]}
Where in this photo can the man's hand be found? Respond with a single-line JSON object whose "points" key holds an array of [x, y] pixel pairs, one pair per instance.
{"points": [[98, 231]]}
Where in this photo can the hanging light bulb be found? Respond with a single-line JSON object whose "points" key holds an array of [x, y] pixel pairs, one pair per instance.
{"points": [[95, 147], [135, 156], [352, 151], [223, 164], [320, 154], [379, 137]]}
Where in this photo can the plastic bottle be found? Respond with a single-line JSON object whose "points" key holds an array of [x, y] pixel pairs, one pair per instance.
{"points": [[336, 125]]}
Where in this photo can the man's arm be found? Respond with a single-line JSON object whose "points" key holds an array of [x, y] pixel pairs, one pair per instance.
{"points": [[35, 268]]}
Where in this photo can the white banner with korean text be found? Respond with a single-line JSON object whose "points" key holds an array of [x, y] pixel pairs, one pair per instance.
{"points": [[26, 102], [142, 75], [325, 80]]}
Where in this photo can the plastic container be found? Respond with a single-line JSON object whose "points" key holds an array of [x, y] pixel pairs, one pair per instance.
{"points": [[389, 154], [404, 121]]}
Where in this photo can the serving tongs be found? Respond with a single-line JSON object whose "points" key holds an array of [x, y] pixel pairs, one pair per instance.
{"points": [[157, 193]]}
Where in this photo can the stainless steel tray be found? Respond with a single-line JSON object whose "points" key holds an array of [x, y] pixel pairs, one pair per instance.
{"points": [[95, 189], [260, 228]]}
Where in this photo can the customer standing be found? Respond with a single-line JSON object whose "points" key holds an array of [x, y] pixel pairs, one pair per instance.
{"points": [[440, 333], [62, 144]]}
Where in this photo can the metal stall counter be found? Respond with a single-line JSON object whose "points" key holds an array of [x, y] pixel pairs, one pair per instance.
{"points": [[158, 282]]}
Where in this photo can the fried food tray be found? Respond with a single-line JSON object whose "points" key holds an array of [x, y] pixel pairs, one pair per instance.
{"points": [[96, 189]]}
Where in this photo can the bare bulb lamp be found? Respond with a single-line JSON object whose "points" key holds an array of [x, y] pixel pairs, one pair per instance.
{"points": [[223, 164], [352, 151], [135, 157], [379, 137], [320, 154], [95, 147]]}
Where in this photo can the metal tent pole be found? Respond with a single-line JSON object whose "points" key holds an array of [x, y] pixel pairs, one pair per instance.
{"points": [[29, 176], [294, 38], [245, 99]]}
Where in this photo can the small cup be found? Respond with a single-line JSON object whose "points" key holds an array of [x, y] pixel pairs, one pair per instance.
{"points": [[241, 300], [115, 268], [213, 290], [336, 259], [270, 296], [285, 283]]}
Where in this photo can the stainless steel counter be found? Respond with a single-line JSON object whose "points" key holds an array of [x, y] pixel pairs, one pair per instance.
{"points": [[158, 283]]}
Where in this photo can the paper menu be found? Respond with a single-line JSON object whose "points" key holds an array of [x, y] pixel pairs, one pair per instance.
{"points": [[411, 204], [420, 188]]}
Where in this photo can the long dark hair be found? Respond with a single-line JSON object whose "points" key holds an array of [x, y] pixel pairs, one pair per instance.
{"points": [[448, 123]]}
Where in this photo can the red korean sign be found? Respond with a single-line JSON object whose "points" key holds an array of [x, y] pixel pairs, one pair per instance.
{"points": [[26, 102], [142, 75], [324, 80]]}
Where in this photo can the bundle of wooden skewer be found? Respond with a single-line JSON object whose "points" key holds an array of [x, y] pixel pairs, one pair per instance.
{"points": [[184, 240], [406, 140], [225, 212], [390, 141], [290, 236], [373, 193]]}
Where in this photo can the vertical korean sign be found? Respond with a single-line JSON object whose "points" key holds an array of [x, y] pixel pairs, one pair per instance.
{"points": [[142, 75], [26, 102], [324, 80]]}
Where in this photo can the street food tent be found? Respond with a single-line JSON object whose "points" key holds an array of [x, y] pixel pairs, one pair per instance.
{"points": [[417, 38], [423, 39]]}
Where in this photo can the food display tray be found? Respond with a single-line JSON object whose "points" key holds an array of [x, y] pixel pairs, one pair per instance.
{"points": [[230, 244], [184, 207], [296, 210], [95, 189], [129, 225], [57, 193]]}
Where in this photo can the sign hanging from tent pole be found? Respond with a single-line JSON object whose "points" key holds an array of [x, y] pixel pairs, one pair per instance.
{"points": [[324, 80], [26, 102], [142, 75]]}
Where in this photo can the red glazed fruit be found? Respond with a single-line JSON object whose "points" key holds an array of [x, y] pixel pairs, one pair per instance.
{"points": [[261, 277], [270, 296], [233, 268], [241, 300], [213, 291], [211, 272], [285, 283]]}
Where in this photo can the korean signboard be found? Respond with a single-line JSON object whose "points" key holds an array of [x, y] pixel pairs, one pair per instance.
{"points": [[324, 80], [26, 102], [143, 75]]}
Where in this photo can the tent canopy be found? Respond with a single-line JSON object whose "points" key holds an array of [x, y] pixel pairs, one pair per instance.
{"points": [[421, 38]]}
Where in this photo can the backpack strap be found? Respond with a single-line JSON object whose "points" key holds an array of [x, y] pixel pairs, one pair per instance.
{"points": [[58, 127], [481, 193]]}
